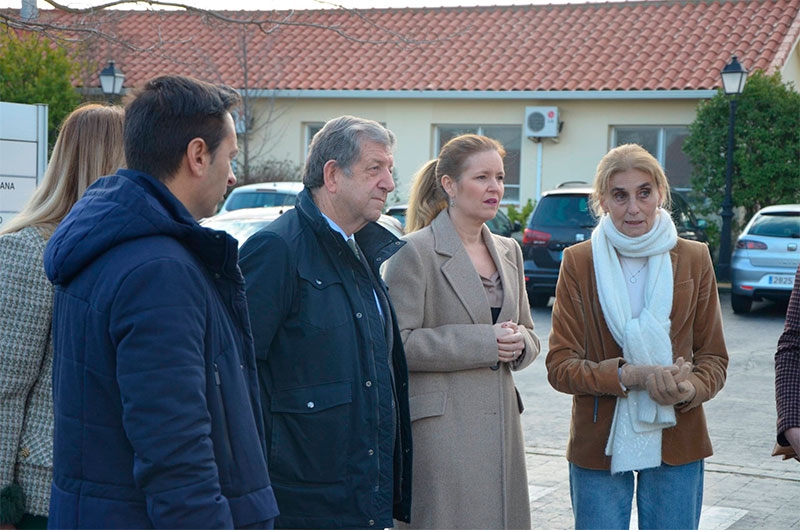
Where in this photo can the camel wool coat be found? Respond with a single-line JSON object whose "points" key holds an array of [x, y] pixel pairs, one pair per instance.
{"points": [[469, 459]]}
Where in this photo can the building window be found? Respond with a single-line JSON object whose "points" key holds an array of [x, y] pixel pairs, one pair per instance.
{"points": [[665, 144], [311, 129], [508, 135]]}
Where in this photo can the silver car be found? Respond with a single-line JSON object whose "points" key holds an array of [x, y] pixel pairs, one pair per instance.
{"points": [[766, 257]]}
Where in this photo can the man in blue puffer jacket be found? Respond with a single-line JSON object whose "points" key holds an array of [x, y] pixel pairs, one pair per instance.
{"points": [[157, 415]]}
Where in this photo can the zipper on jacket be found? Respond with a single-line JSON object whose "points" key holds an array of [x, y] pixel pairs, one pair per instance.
{"points": [[225, 440]]}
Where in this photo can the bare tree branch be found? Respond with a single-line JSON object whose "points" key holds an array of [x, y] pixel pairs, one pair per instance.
{"points": [[94, 34], [72, 34], [264, 24]]}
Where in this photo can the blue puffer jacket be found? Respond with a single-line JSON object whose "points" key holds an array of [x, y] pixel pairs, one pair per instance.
{"points": [[157, 418]]}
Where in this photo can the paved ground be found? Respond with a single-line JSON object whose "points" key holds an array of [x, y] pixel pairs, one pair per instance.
{"points": [[745, 488]]}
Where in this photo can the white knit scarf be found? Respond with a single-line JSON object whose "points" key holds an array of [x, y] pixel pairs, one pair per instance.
{"points": [[635, 439]]}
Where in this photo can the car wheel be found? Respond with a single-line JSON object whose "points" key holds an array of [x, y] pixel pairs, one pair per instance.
{"points": [[741, 303], [538, 299]]}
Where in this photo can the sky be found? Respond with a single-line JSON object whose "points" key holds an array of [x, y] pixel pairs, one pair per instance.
{"points": [[310, 4]]}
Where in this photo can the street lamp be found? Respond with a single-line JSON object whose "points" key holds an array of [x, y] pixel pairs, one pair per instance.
{"points": [[733, 78], [111, 79]]}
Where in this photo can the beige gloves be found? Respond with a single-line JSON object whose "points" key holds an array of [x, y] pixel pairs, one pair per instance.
{"points": [[667, 385]]}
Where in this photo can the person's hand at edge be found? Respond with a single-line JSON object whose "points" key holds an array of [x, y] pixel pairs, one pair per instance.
{"points": [[793, 437]]}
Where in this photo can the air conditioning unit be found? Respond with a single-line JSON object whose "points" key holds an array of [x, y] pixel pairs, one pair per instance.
{"points": [[541, 122]]}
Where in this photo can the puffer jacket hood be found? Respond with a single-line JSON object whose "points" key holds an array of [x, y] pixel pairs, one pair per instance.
{"points": [[101, 221]]}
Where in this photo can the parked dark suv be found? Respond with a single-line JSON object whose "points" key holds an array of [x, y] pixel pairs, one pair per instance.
{"points": [[563, 217]]}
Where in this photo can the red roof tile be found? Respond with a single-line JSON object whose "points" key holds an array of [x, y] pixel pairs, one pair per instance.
{"points": [[650, 45]]}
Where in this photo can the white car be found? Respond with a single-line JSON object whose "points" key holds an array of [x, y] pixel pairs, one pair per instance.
{"points": [[244, 222], [391, 224], [262, 194]]}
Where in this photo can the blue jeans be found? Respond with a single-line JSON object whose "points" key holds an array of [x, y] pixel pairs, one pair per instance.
{"points": [[666, 497]]}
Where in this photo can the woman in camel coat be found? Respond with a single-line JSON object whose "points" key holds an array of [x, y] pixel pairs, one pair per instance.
{"points": [[459, 294]]}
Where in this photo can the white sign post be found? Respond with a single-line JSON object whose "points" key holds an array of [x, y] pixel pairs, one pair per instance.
{"points": [[23, 154]]}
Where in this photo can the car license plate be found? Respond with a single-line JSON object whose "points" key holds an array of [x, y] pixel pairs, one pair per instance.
{"points": [[781, 279]]}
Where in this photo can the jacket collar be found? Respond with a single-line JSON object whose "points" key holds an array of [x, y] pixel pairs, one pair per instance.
{"points": [[460, 273], [215, 248], [377, 243]]}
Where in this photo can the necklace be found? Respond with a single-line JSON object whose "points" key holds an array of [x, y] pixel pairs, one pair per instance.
{"points": [[634, 276]]}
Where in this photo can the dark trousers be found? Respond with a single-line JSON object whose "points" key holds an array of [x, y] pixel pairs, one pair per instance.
{"points": [[32, 522]]}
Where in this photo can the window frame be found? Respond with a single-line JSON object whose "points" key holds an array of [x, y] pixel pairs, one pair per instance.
{"points": [[511, 152], [308, 127], [680, 181]]}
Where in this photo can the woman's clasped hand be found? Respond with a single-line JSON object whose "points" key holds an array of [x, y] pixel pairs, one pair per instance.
{"points": [[667, 385], [510, 341]]}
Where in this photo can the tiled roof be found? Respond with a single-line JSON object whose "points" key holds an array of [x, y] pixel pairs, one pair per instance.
{"points": [[651, 45]]}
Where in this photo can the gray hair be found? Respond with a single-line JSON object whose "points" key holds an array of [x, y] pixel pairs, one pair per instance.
{"points": [[340, 140]]}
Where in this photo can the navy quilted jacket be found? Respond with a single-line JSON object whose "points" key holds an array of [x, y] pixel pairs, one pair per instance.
{"points": [[336, 416], [157, 418]]}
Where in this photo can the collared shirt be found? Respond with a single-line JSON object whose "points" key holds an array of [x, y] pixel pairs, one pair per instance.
{"points": [[338, 229]]}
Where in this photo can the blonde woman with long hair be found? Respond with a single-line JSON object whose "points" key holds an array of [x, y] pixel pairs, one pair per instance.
{"points": [[459, 294], [89, 146]]}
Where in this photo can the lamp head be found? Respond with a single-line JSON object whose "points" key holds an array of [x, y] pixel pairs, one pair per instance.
{"points": [[111, 79], [733, 77]]}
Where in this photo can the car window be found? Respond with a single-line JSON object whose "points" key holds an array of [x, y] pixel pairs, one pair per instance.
{"points": [[777, 225], [500, 224], [259, 199], [682, 214], [564, 210]]}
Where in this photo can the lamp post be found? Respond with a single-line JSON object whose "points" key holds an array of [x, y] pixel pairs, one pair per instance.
{"points": [[111, 79], [733, 78]]}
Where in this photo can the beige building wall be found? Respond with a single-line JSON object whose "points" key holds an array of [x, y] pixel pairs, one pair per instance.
{"points": [[585, 137], [791, 70]]}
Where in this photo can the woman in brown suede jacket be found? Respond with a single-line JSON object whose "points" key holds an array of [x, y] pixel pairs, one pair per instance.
{"points": [[637, 340]]}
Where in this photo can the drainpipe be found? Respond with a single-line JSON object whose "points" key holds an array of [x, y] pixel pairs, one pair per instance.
{"points": [[29, 11]]}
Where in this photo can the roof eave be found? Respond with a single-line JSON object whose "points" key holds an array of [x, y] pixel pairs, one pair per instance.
{"points": [[485, 94]]}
